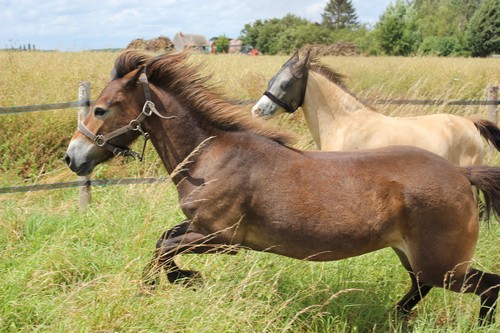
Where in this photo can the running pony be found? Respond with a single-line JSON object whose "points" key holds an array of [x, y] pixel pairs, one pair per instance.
{"points": [[241, 186], [338, 120]]}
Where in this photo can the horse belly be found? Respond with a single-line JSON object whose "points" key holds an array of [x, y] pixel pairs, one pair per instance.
{"points": [[321, 245], [329, 225]]}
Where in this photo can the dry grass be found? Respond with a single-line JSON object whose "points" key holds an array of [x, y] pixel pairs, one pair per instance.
{"points": [[33, 144]]}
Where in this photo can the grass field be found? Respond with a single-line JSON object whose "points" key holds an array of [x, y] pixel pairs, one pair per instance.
{"points": [[63, 270]]}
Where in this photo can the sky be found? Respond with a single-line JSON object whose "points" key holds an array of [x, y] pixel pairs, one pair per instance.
{"points": [[75, 25]]}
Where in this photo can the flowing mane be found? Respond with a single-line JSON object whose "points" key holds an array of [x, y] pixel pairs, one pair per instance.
{"points": [[327, 72], [334, 77], [172, 72]]}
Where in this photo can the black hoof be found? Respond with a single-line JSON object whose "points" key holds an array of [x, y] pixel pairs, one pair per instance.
{"points": [[404, 313], [147, 286], [185, 277]]}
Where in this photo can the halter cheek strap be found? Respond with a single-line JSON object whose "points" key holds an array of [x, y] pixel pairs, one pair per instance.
{"points": [[148, 109]]}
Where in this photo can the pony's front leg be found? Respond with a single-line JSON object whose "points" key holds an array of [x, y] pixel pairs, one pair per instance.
{"points": [[180, 239], [150, 276]]}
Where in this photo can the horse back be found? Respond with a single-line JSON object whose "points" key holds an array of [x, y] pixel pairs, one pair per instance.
{"points": [[452, 137]]}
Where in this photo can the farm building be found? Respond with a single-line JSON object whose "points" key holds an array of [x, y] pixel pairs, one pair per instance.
{"points": [[235, 45], [189, 41]]}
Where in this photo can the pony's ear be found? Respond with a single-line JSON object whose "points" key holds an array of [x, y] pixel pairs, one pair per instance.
{"points": [[132, 77], [294, 58], [308, 57], [301, 66]]}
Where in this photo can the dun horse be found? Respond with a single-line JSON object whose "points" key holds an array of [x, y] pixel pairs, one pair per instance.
{"points": [[241, 186], [337, 120]]}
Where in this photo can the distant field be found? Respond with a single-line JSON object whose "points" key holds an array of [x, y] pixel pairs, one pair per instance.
{"points": [[33, 143], [63, 270], [34, 78]]}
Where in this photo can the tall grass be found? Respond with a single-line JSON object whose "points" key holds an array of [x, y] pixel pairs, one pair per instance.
{"points": [[34, 144], [66, 271], [63, 270]]}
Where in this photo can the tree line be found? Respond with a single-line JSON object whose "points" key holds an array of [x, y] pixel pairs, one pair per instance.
{"points": [[411, 27]]}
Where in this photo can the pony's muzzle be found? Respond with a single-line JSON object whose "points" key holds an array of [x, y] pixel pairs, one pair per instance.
{"points": [[71, 163]]}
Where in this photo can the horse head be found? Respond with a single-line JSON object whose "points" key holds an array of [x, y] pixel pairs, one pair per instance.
{"points": [[113, 123], [286, 90]]}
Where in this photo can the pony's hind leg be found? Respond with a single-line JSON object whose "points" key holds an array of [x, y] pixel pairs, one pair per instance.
{"points": [[487, 287], [417, 291]]}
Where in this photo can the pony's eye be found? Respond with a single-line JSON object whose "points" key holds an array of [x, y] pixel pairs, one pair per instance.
{"points": [[285, 84], [99, 112]]}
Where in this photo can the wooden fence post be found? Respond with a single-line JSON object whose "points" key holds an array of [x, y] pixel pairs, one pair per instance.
{"points": [[492, 107], [84, 191]]}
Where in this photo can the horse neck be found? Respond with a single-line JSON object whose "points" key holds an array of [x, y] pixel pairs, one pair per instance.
{"points": [[176, 139], [325, 104]]}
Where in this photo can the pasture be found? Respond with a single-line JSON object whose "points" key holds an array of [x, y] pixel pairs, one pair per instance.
{"points": [[63, 270]]}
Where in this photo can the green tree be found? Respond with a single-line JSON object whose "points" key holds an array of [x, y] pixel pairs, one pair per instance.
{"points": [[301, 35], [222, 44], [250, 33], [291, 32], [440, 46], [484, 29], [275, 35], [339, 14], [443, 24], [397, 32], [463, 8]]}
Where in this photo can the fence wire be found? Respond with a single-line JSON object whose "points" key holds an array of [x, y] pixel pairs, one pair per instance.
{"points": [[95, 182], [68, 105], [131, 181]]}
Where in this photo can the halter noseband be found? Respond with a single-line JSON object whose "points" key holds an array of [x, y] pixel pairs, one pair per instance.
{"points": [[285, 105], [135, 125]]}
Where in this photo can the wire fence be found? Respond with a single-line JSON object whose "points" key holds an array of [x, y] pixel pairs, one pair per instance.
{"points": [[492, 104], [68, 105], [78, 183]]}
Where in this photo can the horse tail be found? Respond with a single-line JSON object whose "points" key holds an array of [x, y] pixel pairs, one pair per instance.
{"points": [[488, 130], [487, 180]]}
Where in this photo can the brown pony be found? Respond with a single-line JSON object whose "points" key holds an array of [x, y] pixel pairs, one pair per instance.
{"points": [[241, 186]]}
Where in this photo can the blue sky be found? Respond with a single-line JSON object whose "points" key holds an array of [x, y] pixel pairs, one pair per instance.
{"points": [[73, 25]]}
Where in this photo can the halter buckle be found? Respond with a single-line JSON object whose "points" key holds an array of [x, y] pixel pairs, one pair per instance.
{"points": [[118, 152], [100, 140], [148, 107], [135, 125]]}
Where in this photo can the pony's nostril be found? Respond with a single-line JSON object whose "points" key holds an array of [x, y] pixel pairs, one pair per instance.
{"points": [[67, 159]]}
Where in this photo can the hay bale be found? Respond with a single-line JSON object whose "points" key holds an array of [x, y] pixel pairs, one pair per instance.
{"points": [[159, 44], [338, 49]]}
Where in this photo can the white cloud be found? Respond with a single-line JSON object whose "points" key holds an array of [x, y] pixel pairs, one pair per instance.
{"points": [[90, 24], [314, 11]]}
